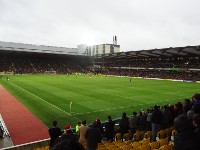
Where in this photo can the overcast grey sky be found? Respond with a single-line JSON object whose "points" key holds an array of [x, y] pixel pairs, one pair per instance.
{"points": [[138, 24]]}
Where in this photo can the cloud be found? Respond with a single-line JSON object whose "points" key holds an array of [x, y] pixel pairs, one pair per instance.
{"points": [[138, 24]]}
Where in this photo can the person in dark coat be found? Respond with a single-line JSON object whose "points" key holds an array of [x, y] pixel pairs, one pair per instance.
{"points": [[156, 120], [133, 122], [123, 125], [186, 138], [196, 123], [142, 121], [166, 118], [93, 137], [54, 133], [68, 141], [99, 125], [109, 129], [196, 106]]}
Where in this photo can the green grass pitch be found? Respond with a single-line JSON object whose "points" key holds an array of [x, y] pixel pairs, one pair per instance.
{"points": [[49, 96]]}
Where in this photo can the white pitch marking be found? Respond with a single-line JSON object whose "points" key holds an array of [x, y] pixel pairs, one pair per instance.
{"points": [[119, 108], [45, 101]]}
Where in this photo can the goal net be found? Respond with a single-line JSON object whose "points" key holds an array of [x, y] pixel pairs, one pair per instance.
{"points": [[50, 72]]}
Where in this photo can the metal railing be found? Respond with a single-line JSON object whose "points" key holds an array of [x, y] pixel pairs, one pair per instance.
{"points": [[3, 127]]}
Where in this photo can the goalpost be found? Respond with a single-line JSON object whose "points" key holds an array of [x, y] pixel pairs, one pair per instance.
{"points": [[50, 72]]}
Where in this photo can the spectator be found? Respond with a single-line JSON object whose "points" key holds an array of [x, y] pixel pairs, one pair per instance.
{"points": [[82, 130], [68, 141], [123, 124], [185, 139], [166, 118], [149, 114], [54, 133], [156, 120], [93, 137], [190, 114], [78, 126], [196, 123], [99, 125], [133, 121], [109, 129], [186, 105], [142, 121], [196, 106]]}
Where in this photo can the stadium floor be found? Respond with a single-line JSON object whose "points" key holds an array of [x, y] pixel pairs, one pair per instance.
{"points": [[22, 125], [6, 142], [92, 97]]}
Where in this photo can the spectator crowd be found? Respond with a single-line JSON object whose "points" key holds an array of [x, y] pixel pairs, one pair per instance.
{"points": [[184, 117]]}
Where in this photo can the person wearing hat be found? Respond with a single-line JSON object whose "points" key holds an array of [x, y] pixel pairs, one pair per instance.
{"points": [[67, 129], [82, 130], [68, 141]]}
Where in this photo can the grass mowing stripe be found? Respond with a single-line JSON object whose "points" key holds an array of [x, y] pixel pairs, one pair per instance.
{"points": [[104, 110], [45, 101], [94, 97]]}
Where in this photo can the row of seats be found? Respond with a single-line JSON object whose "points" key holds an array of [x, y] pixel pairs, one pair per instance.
{"points": [[139, 135], [43, 148], [144, 144], [141, 140]]}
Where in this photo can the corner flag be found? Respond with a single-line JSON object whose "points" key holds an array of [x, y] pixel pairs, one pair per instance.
{"points": [[70, 105]]}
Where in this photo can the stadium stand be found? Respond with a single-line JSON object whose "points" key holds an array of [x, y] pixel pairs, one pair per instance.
{"points": [[172, 63]]}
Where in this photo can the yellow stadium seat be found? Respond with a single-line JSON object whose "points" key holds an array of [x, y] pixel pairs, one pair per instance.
{"points": [[108, 144], [137, 136], [147, 134], [173, 134], [127, 136], [163, 142], [117, 136], [166, 147], [126, 147], [161, 134], [116, 142], [144, 147], [142, 133], [112, 147], [109, 141], [101, 146], [119, 145], [136, 145], [154, 145], [168, 132], [129, 142], [145, 141]]}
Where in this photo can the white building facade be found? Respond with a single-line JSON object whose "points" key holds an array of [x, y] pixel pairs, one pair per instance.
{"points": [[102, 49]]}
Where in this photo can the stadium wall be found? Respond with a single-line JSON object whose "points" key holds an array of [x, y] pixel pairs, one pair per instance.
{"points": [[29, 146]]}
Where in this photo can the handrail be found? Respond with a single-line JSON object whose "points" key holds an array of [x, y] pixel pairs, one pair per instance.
{"points": [[3, 127]]}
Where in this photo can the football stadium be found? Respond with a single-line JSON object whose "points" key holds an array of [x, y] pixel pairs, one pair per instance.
{"points": [[151, 96]]}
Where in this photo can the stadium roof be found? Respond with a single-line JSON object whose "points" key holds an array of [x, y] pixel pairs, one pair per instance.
{"points": [[19, 47], [157, 53]]}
